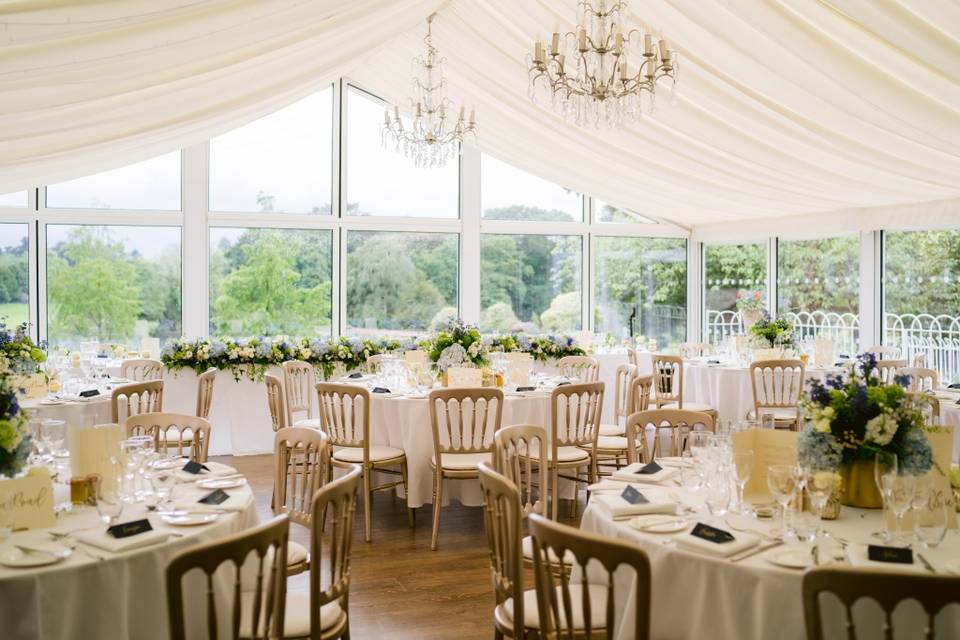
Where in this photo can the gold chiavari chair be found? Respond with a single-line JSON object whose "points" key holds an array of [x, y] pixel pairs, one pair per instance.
{"points": [[275, 401], [574, 422], [888, 590], [921, 378], [173, 433], [141, 369], [676, 422], [621, 399], [582, 368], [584, 609], [884, 352], [345, 418], [373, 362], [777, 385], [256, 614], [613, 447], [887, 370], [464, 422], [205, 391], [137, 397], [632, 357], [300, 467], [668, 385], [299, 388], [931, 404]]}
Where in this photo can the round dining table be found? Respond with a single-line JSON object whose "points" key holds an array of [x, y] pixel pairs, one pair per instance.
{"points": [[101, 592]]}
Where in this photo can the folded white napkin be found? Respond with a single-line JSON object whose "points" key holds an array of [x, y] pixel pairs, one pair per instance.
{"points": [[607, 485], [216, 469], [629, 474], [857, 554], [100, 539], [620, 508], [741, 542], [674, 461]]}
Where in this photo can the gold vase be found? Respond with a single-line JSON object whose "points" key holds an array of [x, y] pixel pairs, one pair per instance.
{"points": [[859, 487]]}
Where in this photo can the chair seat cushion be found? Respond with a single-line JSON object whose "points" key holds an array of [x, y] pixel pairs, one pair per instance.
{"points": [[611, 430], [779, 413], [296, 553], [296, 619], [310, 423], [527, 546], [531, 617], [612, 442], [690, 406], [564, 454], [377, 452], [461, 461]]}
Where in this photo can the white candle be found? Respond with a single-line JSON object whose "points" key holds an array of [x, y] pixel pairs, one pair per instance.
{"points": [[619, 42], [663, 50], [623, 71], [555, 43], [538, 51], [386, 117], [583, 40], [648, 43], [473, 116]]}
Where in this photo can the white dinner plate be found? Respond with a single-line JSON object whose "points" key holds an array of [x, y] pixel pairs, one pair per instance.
{"points": [[791, 558], [190, 519], [222, 483], [48, 402], [16, 558], [658, 523]]}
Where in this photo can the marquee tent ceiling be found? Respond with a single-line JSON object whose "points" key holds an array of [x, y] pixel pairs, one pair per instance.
{"points": [[785, 107]]}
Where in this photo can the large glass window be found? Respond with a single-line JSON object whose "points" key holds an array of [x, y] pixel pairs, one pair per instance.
{"points": [[270, 281], [401, 282], [731, 272], [818, 288], [508, 193], [608, 213], [530, 282], [17, 199], [921, 298], [640, 288], [152, 185], [381, 181], [281, 162], [14, 274], [112, 284]]}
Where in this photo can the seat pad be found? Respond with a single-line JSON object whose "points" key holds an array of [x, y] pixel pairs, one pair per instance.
{"points": [[531, 618], [377, 452], [462, 461]]}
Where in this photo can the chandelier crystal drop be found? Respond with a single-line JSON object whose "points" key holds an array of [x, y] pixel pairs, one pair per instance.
{"points": [[599, 74], [433, 137]]}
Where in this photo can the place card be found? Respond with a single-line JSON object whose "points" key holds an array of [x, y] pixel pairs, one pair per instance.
{"points": [[195, 467], [127, 529], [898, 555], [650, 469], [711, 534], [955, 385], [89, 393], [381, 390], [217, 496], [560, 384], [355, 375], [633, 496], [526, 389], [29, 499]]}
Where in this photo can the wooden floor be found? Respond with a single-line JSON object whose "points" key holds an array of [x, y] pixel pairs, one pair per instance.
{"points": [[400, 589]]}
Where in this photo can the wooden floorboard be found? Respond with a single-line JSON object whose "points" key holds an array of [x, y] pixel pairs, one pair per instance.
{"points": [[400, 589]]}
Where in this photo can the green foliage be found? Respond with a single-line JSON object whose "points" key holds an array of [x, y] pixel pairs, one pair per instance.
{"points": [[730, 267], [563, 313], [819, 274], [777, 332], [922, 272], [499, 317]]}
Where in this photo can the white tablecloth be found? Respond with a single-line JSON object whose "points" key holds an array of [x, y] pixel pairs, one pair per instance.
{"points": [[123, 596], [84, 414], [697, 596]]}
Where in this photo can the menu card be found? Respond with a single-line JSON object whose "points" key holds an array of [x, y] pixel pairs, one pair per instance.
{"points": [[770, 446], [91, 450], [459, 377], [30, 499], [941, 442]]}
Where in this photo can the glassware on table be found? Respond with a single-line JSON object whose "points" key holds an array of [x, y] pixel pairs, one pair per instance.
{"points": [[163, 482], [717, 492], [782, 482], [901, 488], [109, 498], [884, 463], [691, 473], [931, 519], [768, 421], [742, 469], [698, 440], [819, 484], [53, 433]]}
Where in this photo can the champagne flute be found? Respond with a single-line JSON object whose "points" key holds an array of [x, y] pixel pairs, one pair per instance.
{"points": [[884, 463], [901, 487], [742, 469], [782, 482], [819, 484]]}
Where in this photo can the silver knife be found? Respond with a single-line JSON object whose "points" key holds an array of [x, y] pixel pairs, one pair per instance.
{"points": [[743, 555]]}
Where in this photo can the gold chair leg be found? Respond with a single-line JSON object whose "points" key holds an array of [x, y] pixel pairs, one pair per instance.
{"points": [[555, 493], [406, 492], [367, 501], [437, 499]]}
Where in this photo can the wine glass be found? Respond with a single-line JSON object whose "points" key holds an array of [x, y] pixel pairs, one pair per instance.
{"points": [[742, 469], [931, 519], [884, 463], [53, 433], [697, 442], [163, 482], [901, 488], [717, 489], [819, 483], [782, 482]]}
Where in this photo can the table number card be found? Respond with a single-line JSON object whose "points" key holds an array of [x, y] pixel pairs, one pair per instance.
{"points": [[460, 377], [770, 446], [91, 450], [941, 442], [30, 499]]}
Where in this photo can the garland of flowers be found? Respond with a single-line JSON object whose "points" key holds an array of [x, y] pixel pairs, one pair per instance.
{"points": [[251, 357], [23, 356], [15, 440]]}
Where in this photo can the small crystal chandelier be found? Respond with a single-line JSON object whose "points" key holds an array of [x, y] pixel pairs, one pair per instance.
{"points": [[430, 140], [600, 73]]}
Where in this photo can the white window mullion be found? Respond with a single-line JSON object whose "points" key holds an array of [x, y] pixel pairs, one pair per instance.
{"points": [[871, 298], [470, 234], [195, 271]]}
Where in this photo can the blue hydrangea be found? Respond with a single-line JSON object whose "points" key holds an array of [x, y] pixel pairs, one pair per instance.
{"points": [[264, 349], [319, 347], [356, 345], [819, 393], [523, 341], [916, 455], [835, 381], [902, 380], [169, 349], [217, 349], [818, 450]]}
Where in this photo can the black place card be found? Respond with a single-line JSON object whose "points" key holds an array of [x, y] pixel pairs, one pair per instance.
{"points": [[195, 467], [355, 375], [217, 496], [381, 390], [713, 362], [560, 384], [633, 496], [711, 534], [526, 388], [127, 529], [843, 356], [89, 393], [898, 555], [955, 385], [650, 469]]}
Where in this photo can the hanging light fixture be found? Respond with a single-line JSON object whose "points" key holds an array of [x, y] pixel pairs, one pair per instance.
{"points": [[598, 74], [433, 136]]}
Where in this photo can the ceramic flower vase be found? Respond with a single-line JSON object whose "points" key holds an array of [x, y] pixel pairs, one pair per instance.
{"points": [[859, 488]]}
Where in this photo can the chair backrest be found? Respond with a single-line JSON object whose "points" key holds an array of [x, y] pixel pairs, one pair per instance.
{"points": [[632, 356], [337, 501], [137, 397], [520, 455], [921, 378], [886, 589], [583, 368], [265, 599], [622, 385], [298, 384], [594, 602], [205, 391], [932, 411], [502, 522], [373, 362], [919, 360], [173, 433], [884, 352], [677, 422], [300, 459], [141, 369], [345, 415], [777, 383], [465, 420], [695, 349], [887, 370], [575, 415], [275, 401], [668, 379], [640, 391]]}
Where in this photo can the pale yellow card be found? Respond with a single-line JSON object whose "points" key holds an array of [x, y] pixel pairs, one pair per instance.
{"points": [[30, 499], [941, 442], [770, 446], [91, 450], [415, 356], [460, 377]]}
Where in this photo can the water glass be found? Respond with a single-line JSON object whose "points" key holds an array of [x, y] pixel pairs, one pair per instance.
{"points": [[932, 519], [109, 504], [163, 482], [901, 487], [53, 434], [717, 491], [697, 442], [782, 482]]}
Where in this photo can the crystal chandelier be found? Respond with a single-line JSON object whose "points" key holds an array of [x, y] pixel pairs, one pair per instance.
{"points": [[598, 74], [433, 137]]}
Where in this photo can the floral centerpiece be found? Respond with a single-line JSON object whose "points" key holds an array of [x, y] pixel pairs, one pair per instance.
{"points": [[23, 355], [750, 306], [773, 332], [850, 420], [540, 348], [15, 441], [456, 344]]}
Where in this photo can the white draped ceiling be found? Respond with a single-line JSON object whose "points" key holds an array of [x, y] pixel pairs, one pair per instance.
{"points": [[786, 107]]}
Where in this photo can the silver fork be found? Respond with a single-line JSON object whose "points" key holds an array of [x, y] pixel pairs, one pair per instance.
{"points": [[93, 556]]}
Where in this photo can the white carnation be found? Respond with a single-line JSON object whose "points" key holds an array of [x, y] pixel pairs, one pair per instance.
{"points": [[881, 429]]}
